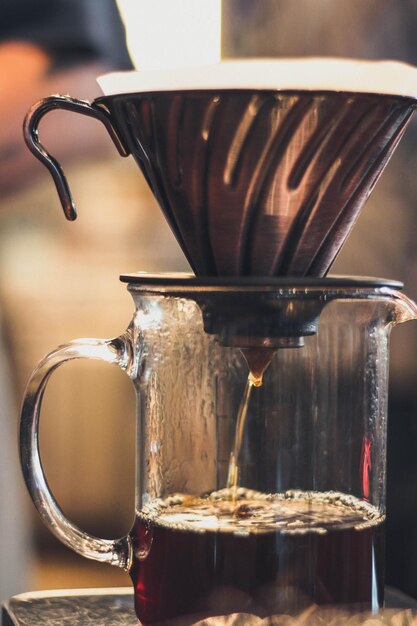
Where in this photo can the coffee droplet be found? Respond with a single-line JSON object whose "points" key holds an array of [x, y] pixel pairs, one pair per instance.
{"points": [[255, 380], [258, 360]]}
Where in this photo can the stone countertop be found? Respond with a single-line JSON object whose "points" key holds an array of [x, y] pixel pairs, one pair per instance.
{"points": [[104, 607], [114, 607]]}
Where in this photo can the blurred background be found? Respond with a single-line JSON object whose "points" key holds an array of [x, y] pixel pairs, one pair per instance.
{"points": [[59, 280]]}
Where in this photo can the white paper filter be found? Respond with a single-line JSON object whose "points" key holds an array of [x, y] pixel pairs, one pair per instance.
{"points": [[315, 74]]}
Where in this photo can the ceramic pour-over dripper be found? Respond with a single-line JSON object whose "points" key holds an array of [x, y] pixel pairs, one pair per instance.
{"points": [[266, 181], [261, 167]]}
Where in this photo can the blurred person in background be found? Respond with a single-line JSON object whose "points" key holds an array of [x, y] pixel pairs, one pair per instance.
{"points": [[46, 46]]}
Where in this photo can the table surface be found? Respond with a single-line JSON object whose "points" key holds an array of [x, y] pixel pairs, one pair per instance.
{"points": [[114, 607], [83, 607]]}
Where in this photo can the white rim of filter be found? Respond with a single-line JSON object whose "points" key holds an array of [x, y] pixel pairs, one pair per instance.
{"points": [[310, 74]]}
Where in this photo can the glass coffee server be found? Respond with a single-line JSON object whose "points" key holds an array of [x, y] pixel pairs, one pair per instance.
{"points": [[301, 521]]}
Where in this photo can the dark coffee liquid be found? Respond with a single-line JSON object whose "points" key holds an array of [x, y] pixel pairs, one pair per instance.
{"points": [[233, 472], [262, 554]]}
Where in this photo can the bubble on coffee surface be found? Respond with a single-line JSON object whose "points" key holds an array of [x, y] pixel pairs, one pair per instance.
{"points": [[246, 511]]}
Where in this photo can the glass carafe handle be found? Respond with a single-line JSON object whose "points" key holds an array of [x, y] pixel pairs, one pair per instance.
{"points": [[116, 351], [30, 131]]}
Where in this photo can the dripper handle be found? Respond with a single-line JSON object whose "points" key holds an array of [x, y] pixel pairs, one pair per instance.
{"points": [[116, 351], [30, 131]]}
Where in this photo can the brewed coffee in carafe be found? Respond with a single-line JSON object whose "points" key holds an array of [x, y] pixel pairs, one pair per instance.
{"points": [[261, 480]]}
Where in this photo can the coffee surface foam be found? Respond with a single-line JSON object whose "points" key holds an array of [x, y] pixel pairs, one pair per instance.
{"points": [[293, 512]]}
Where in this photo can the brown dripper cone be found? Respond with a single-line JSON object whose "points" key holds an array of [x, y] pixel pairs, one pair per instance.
{"points": [[263, 183]]}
